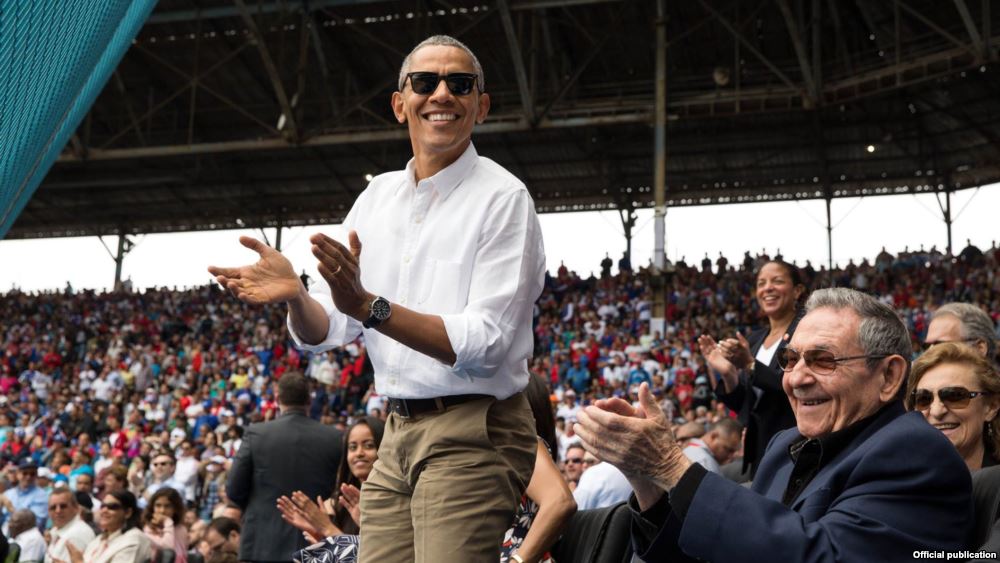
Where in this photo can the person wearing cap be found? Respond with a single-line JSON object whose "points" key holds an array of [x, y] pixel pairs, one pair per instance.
{"points": [[67, 526], [45, 476], [28, 495]]}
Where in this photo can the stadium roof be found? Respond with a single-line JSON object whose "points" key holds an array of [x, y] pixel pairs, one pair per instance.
{"points": [[234, 113]]}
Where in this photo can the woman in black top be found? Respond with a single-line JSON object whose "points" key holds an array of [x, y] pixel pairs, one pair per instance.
{"points": [[749, 366]]}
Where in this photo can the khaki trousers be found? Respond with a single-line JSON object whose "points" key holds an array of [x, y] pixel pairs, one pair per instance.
{"points": [[446, 485]]}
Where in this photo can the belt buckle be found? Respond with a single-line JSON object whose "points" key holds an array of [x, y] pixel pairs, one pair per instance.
{"points": [[401, 408]]}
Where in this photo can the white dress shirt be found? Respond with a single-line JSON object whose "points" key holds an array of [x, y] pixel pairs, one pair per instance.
{"points": [[464, 244], [76, 532], [32, 545]]}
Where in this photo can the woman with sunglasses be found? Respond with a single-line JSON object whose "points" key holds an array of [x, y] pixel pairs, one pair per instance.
{"points": [[958, 392], [749, 367], [121, 540]]}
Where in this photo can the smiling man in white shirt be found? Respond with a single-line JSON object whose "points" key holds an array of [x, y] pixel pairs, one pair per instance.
{"points": [[443, 292]]}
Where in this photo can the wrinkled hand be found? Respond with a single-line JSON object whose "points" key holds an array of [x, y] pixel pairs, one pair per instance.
{"points": [[350, 499], [270, 280], [639, 442], [300, 511], [341, 269]]}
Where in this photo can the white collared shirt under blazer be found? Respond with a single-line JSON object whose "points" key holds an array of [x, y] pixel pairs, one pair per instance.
{"points": [[464, 244]]}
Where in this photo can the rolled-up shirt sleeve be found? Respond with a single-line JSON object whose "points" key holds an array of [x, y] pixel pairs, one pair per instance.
{"points": [[342, 330], [494, 328]]}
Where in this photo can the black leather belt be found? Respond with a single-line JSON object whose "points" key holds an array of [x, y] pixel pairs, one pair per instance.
{"points": [[409, 408]]}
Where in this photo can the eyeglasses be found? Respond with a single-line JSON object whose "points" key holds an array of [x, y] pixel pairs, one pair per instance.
{"points": [[952, 397], [928, 345], [62, 506], [820, 362], [574, 460], [424, 83], [111, 506]]}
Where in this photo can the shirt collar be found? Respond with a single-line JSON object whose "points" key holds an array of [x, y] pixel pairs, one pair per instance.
{"points": [[833, 443], [445, 181]]}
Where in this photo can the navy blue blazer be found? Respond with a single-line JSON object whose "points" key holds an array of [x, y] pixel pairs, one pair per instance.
{"points": [[898, 487]]}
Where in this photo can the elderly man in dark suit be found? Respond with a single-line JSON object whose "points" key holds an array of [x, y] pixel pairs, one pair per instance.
{"points": [[858, 479], [293, 452]]}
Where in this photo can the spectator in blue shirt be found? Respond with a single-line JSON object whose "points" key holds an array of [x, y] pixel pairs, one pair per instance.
{"points": [[578, 376], [27, 494], [639, 375]]}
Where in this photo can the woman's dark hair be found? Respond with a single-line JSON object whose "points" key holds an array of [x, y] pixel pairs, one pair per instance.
{"points": [[541, 408], [175, 500], [128, 502], [341, 517]]}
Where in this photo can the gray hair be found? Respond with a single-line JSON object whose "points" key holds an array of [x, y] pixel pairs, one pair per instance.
{"points": [[443, 41], [975, 323], [881, 333]]}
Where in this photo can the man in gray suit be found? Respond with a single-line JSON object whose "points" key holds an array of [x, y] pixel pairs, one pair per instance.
{"points": [[293, 452]]}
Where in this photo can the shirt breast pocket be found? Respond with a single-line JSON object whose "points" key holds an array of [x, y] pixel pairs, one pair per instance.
{"points": [[441, 289]]}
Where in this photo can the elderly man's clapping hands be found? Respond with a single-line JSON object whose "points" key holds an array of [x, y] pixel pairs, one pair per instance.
{"points": [[638, 441]]}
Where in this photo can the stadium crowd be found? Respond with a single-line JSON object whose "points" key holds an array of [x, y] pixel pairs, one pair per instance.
{"points": [[141, 400]]}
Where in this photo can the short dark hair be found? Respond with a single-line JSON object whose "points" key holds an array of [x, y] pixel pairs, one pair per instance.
{"points": [[224, 526], [293, 390]]}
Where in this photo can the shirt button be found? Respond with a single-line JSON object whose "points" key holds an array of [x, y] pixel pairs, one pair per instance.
{"points": [[418, 219], [406, 259], [402, 301]]}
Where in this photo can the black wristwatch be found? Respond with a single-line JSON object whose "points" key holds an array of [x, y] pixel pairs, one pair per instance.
{"points": [[378, 312]]}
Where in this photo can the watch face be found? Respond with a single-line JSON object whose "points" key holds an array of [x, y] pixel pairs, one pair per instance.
{"points": [[380, 309]]}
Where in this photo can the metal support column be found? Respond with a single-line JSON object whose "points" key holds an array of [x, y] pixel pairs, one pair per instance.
{"points": [[124, 247], [829, 241], [947, 217], [277, 236], [627, 214], [660, 171]]}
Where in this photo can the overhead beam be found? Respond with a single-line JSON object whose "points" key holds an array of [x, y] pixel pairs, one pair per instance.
{"points": [[514, 45], [271, 69], [970, 27], [800, 49], [543, 4], [580, 68], [937, 28], [234, 11], [749, 46], [395, 134]]}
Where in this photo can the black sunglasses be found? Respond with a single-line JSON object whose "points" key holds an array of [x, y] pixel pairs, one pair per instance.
{"points": [[952, 397], [112, 506], [821, 362], [424, 83], [928, 345]]}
